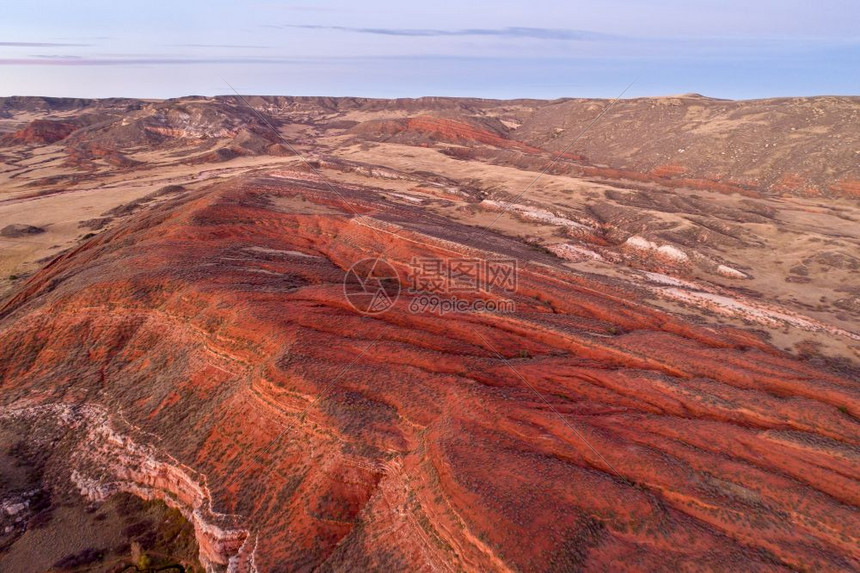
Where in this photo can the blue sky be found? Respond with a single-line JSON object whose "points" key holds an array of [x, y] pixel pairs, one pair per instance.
{"points": [[381, 48]]}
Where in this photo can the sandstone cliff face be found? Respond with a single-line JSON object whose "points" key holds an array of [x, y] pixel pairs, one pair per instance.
{"points": [[205, 354], [102, 462]]}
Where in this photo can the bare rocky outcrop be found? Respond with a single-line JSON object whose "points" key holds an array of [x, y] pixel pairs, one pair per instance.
{"points": [[102, 462]]}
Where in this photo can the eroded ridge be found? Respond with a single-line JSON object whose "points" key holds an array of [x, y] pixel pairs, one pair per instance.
{"points": [[584, 429]]}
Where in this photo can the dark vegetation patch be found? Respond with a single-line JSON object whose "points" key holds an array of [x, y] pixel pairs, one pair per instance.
{"points": [[59, 530], [16, 231], [132, 206], [95, 224]]}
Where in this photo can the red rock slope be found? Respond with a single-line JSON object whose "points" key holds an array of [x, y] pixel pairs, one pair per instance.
{"points": [[204, 353], [41, 132]]}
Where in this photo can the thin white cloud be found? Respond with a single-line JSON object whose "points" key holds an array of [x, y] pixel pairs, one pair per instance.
{"points": [[510, 32], [225, 46], [42, 45]]}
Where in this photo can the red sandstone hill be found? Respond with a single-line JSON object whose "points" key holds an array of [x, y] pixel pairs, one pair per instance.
{"points": [[178, 125], [203, 352], [41, 131]]}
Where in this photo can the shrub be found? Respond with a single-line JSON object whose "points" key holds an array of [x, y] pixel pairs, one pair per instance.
{"points": [[85, 557]]}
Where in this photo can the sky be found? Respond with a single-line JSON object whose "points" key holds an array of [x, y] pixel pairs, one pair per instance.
{"points": [[737, 49]]}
